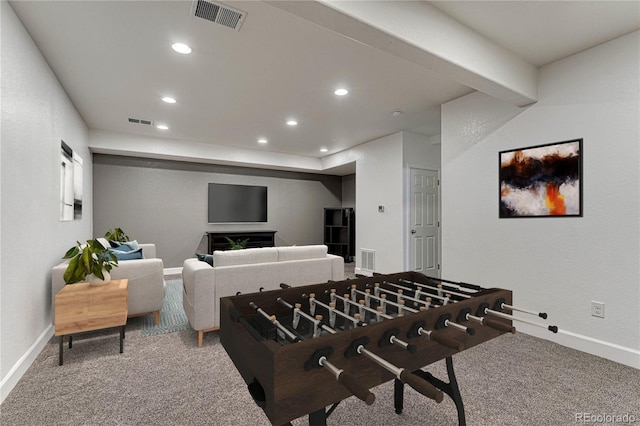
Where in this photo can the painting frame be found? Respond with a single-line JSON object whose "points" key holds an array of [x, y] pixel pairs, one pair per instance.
{"points": [[70, 184], [541, 181]]}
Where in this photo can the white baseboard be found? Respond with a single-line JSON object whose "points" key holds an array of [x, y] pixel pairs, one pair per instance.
{"points": [[172, 271], [15, 374], [361, 271], [608, 350]]}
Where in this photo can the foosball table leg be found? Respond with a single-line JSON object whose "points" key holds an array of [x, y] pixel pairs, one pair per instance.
{"points": [[450, 388], [398, 396], [455, 392], [318, 418]]}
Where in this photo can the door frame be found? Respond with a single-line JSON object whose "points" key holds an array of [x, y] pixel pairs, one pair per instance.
{"points": [[407, 216]]}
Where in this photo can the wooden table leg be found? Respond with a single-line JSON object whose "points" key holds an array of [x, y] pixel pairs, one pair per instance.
{"points": [[121, 339], [60, 338]]}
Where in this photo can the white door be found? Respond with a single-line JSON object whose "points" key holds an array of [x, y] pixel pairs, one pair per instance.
{"points": [[424, 222]]}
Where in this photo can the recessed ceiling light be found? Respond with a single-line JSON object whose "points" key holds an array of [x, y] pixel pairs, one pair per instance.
{"points": [[324, 150], [262, 140], [292, 123], [169, 100], [341, 92], [162, 127], [181, 48]]}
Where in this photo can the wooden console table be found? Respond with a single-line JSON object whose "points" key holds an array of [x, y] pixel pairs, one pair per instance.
{"points": [[218, 240], [82, 307]]}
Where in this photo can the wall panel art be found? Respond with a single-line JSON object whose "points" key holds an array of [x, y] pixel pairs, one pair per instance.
{"points": [[542, 181]]}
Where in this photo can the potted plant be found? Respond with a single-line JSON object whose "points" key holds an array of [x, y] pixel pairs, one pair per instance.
{"points": [[116, 235], [238, 244], [90, 261]]}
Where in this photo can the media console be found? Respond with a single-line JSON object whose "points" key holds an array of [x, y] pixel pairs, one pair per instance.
{"points": [[218, 240]]}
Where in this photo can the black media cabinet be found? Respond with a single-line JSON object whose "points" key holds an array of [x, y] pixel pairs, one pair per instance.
{"points": [[218, 240]]}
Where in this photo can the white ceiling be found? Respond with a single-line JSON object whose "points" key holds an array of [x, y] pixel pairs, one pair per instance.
{"points": [[114, 60], [541, 32]]}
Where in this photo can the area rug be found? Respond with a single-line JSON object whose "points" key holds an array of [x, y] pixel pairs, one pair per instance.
{"points": [[172, 316]]}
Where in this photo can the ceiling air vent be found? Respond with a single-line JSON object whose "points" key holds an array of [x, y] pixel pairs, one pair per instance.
{"points": [[219, 13], [140, 121]]}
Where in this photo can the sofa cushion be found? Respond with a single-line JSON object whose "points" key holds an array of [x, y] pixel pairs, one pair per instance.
{"points": [[301, 252], [245, 257]]}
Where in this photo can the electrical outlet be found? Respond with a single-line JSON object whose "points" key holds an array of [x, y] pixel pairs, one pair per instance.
{"points": [[597, 309]]}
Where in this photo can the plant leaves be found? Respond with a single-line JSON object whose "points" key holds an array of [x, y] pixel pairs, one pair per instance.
{"points": [[90, 258], [73, 273], [97, 271], [116, 235], [73, 251]]}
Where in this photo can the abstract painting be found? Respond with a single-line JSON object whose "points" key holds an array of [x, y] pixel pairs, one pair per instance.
{"points": [[542, 181]]}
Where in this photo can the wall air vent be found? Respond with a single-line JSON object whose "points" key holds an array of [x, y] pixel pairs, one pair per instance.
{"points": [[219, 13], [140, 121], [368, 260]]}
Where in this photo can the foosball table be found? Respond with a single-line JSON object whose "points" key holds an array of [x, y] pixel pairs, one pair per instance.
{"points": [[347, 337]]}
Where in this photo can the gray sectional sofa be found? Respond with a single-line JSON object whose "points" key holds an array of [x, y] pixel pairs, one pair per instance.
{"points": [[250, 271]]}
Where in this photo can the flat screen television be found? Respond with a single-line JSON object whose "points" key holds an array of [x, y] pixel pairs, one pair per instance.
{"points": [[237, 203]]}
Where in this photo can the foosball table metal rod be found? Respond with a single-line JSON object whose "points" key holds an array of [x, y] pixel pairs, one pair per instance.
{"points": [[299, 313], [405, 376], [465, 315], [438, 289], [362, 308], [526, 311], [488, 311], [332, 311], [418, 330], [380, 292], [272, 318], [444, 299], [459, 285], [319, 359], [382, 300]]}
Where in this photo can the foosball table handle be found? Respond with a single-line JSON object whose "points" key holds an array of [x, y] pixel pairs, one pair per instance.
{"points": [[421, 385], [350, 382], [447, 341]]}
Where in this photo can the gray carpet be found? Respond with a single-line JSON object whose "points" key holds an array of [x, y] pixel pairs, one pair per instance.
{"points": [[167, 380]]}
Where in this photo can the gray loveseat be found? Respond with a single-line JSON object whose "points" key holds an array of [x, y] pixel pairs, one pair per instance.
{"points": [[249, 271]]}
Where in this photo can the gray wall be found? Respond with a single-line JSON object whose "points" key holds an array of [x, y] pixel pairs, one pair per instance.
{"points": [[349, 191], [558, 265], [36, 115], [165, 202]]}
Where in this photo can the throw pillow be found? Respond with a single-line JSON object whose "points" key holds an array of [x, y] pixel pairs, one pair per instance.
{"points": [[104, 242], [125, 246], [126, 254], [205, 258]]}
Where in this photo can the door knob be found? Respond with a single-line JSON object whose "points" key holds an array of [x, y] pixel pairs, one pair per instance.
{"points": [[413, 231]]}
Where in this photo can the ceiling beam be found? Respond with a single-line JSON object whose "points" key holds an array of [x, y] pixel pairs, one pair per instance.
{"points": [[419, 33], [132, 145]]}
